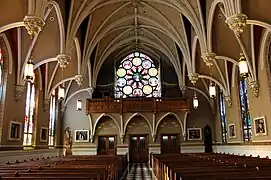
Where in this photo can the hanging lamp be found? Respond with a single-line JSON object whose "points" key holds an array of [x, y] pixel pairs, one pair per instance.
{"points": [[79, 105], [29, 75], [243, 66], [61, 89], [195, 101], [212, 90]]}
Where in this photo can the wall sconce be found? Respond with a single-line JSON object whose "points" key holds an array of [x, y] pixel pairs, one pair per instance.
{"points": [[61, 92], [79, 105]]}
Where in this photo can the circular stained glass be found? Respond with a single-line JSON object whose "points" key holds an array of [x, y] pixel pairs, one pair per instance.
{"points": [[127, 64], [121, 72], [153, 72], [137, 61], [147, 89], [137, 92], [153, 81], [121, 82], [146, 64], [127, 90], [137, 76]]}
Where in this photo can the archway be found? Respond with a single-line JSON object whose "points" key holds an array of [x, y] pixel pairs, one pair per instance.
{"points": [[106, 135], [208, 142], [169, 132], [138, 134]]}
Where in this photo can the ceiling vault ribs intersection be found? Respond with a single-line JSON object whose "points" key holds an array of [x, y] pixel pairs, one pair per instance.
{"points": [[152, 26]]}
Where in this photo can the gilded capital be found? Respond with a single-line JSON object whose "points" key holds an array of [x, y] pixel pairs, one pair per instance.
{"points": [[33, 24], [255, 87], [208, 58], [63, 60], [79, 79], [193, 77], [90, 90], [19, 90], [237, 23]]}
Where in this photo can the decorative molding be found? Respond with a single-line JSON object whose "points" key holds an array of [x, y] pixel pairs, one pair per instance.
{"points": [[237, 23], [33, 25], [208, 58], [63, 60], [228, 99], [19, 90], [79, 79], [193, 77], [255, 87]]}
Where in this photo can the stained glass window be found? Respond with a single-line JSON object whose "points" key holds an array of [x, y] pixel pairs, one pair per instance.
{"points": [[52, 121], [29, 114], [222, 112], [244, 105], [137, 76]]}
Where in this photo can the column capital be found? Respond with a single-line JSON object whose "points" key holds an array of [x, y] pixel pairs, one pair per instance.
{"points": [[208, 58], [255, 87], [63, 60], [228, 99], [90, 90], [19, 90], [33, 24], [193, 77], [237, 23], [79, 79]]}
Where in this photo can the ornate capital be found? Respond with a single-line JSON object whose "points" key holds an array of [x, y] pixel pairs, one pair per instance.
{"points": [[228, 100], [63, 60], [237, 23], [79, 79], [122, 138], [208, 58], [46, 104], [64, 109], [193, 77], [33, 24], [255, 87], [19, 90]]}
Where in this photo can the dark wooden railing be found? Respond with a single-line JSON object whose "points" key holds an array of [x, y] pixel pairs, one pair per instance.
{"points": [[111, 105]]}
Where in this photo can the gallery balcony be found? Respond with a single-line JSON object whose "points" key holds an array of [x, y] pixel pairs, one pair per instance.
{"points": [[133, 105]]}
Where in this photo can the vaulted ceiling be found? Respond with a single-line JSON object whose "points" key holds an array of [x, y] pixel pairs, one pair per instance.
{"points": [[94, 32]]}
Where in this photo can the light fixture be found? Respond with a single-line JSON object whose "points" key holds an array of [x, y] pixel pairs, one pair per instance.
{"points": [[29, 75], [243, 67], [79, 105], [212, 90], [195, 101], [61, 92]]}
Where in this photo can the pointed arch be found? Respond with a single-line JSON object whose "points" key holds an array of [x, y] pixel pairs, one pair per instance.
{"points": [[168, 114], [105, 115], [137, 114]]}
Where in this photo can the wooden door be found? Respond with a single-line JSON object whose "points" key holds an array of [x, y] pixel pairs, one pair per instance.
{"points": [[106, 145], [138, 149], [170, 144]]}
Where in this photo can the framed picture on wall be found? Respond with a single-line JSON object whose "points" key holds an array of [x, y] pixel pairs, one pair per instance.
{"points": [[43, 134], [231, 131], [81, 135], [194, 134], [15, 129], [260, 126]]}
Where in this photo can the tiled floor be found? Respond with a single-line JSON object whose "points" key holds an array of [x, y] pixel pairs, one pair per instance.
{"points": [[139, 171]]}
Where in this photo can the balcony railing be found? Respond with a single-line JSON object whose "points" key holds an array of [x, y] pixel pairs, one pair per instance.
{"points": [[133, 105]]}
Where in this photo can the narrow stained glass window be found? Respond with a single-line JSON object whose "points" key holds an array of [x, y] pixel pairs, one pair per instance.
{"points": [[29, 114], [222, 112], [245, 115], [1, 66], [52, 121], [137, 76]]}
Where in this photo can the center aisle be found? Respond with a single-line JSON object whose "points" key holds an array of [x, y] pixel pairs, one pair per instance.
{"points": [[139, 171]]}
